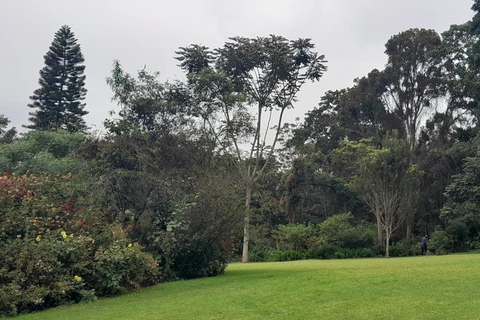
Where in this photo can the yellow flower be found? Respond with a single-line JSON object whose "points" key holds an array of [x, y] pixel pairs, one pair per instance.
{"points": [[71, 235], [64, 234], [38, 238], [77, 278], [129, 245]]}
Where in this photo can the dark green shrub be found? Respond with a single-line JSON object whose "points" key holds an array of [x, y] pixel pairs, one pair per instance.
{"points": [[285, 255], [292, 236], [441, 242], [8, 303], [458, 232], [199, 260], [336, 228], [120, 267], [266, 255], [404, 249], [354, 253], [258, 254], [203, 232], [321, 251]]}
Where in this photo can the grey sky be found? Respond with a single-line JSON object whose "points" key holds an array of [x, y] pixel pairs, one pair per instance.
{"points": [[351, 33]]}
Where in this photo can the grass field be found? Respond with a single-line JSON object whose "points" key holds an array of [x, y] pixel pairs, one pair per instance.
{"points": [[429, 287]]}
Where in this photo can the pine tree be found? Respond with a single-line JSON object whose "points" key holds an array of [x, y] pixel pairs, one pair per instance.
{"points": [[58, 101]]}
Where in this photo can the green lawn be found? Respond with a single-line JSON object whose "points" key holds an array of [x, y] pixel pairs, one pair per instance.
{"points": [[429, 287]]}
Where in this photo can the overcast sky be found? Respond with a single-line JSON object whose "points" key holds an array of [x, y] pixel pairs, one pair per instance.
{"points": [[351, 34]]}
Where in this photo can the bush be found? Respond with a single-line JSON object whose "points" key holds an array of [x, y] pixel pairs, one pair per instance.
{"points": [[43, 272], [32, 205], [292, 236], [266, 255], [50, 255], [286, 255], [441, 242], [321, 251], [199, 260], [404, 249], [458, 233], [120, 267], [42, 152], [354, 253], [258, 254], [336, 228], [203, 231]]}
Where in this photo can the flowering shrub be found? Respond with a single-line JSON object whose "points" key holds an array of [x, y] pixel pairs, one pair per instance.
{"points": [[50, 255], [40, 274], [32, 205]]}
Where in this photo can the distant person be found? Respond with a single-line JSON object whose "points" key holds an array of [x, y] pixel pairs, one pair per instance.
{"points": [[424, 245]]}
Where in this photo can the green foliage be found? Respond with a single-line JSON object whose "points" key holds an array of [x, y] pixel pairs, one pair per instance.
{"points": [[321, 251], [34, 205], [354, 253], [43, 272], [57, 268], [6, 136], [147, 104], [58, 101], [405, 249], [461, 211], [203, 248], [441, 242], [310, 194], [334, 229], [271, 255], [42, 152], [120, 267], [413, 75], [293, 236], [51, 254]]}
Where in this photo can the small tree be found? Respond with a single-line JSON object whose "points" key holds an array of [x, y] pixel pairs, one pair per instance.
{"points": [[58, 101], [385, 180]]}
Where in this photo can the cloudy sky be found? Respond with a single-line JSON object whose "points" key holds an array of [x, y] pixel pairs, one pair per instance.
{"points": [[351, 34]]}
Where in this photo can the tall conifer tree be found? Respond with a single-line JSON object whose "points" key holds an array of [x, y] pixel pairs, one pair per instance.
{"points": [[58, 101]]}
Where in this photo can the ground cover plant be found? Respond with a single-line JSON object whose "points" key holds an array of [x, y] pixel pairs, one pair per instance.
{"points": [[427, 287]]}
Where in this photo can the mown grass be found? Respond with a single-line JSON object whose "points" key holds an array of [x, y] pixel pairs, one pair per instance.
{"points": [[429, 287]]}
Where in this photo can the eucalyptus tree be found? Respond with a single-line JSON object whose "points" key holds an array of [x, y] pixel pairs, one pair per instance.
{"points": [[414, 74], [239, 88]]}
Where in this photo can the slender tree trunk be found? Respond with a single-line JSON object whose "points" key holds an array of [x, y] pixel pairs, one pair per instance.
{"points": [[409, 228], [379, 230], [387, 245], [246, 226]]}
